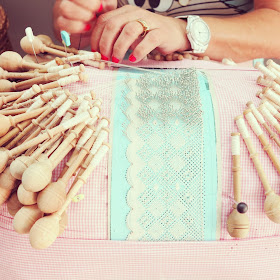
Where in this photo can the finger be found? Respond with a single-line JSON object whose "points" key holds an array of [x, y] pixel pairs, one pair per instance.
{"points": [[92, 5], [72, 11], [130, 33], [109, 5], [72, 26], [151, 41], [104, 18]]}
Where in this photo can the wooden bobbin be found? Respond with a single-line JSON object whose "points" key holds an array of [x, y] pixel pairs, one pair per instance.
{"points": [[20, 96], [13, 112], [270, 94], [53, 196], [273, 70], [13, 204], [61, 111], [26, 217], [39, 47], [5, 154], [13, 62], [64, 81], [46, 230], [271, 63], [238, 222], [262, 121], [49, 43], [17, 76], [96, 64], [7, 181], [272, 201], [38, 175], [4, 195], [265, 112], [268, 83], [266, 72], [95, 56], [12, 133], [20, 164], [25, 197], [271, 109], [43, 78], [259, 133], [42, 59], [262, 97], [8, 122]]}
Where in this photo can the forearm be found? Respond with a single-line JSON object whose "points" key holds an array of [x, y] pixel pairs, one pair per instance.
{"points": [[245, 37]]}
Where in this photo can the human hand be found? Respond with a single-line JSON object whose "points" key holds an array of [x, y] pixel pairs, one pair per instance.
{"points": [[77, 16], [116, 31]]}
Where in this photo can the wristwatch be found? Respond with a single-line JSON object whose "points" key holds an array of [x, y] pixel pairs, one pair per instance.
{"points": [[198, 33]]}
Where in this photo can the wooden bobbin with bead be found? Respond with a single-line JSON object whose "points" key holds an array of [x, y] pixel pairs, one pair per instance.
{"points": [[238, 223], [272, 201]]}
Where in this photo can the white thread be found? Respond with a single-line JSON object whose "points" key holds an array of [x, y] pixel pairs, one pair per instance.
{"points": [[28, 94], [84, 138], [67, 117], [254, 124], [273, 70], [92, 63], [272, 96], [268, 115], [273, 64], [103, 123], [51, 63], [76, 120], [95, 161], [90, 56], [98, 102], [64, 107], [242, 128], [37, 104], [102, 136], [99, 155], [68, 80], [235, 145], [264, 82], [69, 71], [276, 87], [83, 106], [55, 69], [272, 110], [257, 114], [59, 101], [265, 71]]}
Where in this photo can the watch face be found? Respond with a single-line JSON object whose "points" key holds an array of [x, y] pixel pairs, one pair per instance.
{"points": [[200, 32]]}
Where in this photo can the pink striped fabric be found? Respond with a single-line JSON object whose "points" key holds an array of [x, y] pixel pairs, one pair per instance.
{"points": [[83, 252]]}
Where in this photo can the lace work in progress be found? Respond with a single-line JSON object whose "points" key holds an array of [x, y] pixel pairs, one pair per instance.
{"points": [[166, 173]]}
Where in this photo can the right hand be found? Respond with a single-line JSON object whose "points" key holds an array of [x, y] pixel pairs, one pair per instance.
{"points": [[77, 16]]}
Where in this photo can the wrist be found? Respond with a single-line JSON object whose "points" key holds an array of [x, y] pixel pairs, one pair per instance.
{"points": [[185, 43]]}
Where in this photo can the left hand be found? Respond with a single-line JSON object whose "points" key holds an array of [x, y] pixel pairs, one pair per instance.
{"points": [[116, 31]]}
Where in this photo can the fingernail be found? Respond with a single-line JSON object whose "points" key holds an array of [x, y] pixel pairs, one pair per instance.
{"points": [[100, 8], [87, 27], [114, 59], [104, 57], [93, 50], [132, 58]]}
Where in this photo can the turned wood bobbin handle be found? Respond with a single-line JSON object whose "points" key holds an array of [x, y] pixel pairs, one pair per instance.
{"points": [[258, 131], [235, 149], [252, 151]]}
